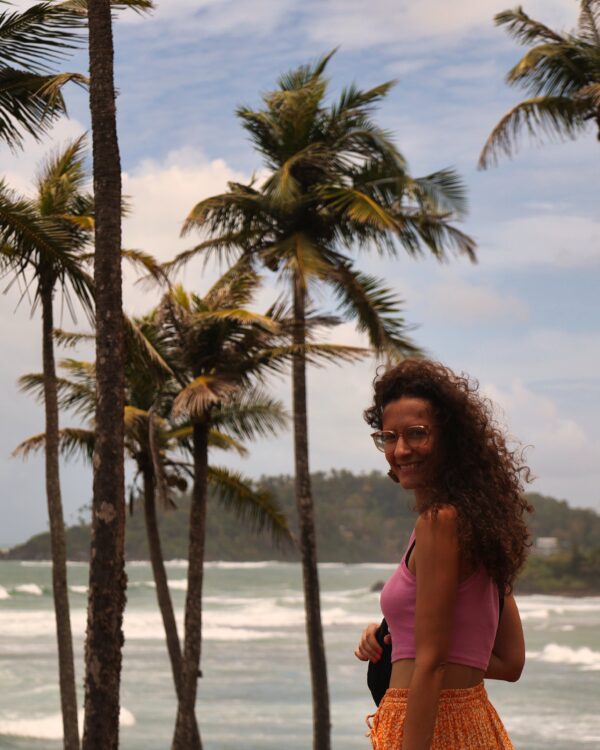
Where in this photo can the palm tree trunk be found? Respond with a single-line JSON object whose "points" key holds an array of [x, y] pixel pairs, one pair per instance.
{"points": [[308, 541], [106, 599], [184, 726], [160, 579], [163, 596], [66, 665]]}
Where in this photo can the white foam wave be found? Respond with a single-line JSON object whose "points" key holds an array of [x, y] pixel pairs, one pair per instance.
{"points": [[78, 589], [583, 657], [179, 584], [4, 593], [177, 563], [227, 565], [20, 624], [536, 604], [28, 588], [48, 727], [240, 634]]}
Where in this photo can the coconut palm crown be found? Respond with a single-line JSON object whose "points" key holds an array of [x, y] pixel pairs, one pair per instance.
{"points": [[560, 71], [335, 183]]}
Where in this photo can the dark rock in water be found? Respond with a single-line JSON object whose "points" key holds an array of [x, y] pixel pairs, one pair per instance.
{"points": [[378, 585]]}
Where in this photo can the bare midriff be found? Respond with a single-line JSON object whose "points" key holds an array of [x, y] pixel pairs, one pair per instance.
{"points": [[455, 675]]}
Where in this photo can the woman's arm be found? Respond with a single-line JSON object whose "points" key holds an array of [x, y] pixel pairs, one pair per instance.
{"points": [[508, 653], [438, 574]]}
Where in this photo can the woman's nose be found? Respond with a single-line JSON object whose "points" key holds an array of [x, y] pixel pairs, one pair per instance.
{"points": [[401, 448]]}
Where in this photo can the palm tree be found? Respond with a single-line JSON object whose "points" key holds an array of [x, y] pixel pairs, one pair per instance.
{"points": [[222, 350], [43, 240], [560, 71], [155, 446], [336, 184]]}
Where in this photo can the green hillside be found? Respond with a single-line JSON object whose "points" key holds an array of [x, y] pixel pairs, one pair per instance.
{"points": [[361, 518]]}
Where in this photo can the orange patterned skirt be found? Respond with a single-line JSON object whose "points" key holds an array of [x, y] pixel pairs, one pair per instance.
{"points": [[466, 720]]}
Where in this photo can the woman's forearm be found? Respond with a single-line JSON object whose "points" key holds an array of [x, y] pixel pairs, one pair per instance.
{"points": [[502, 669], [421, 710]]}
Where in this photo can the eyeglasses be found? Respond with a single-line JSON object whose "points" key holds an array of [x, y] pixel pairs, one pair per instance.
{"points": [[415, 436]]}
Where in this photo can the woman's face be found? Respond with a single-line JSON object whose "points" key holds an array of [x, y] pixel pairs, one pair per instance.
{"points": [[415, 456]]}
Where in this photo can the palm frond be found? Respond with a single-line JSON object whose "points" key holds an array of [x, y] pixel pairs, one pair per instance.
{"points": [[239, 315], [361, 208], [251, 414], [202, 393], [146, 263], [237, 286], [38, 37], [589, 21], [254, 506], [551, 116], [223, 442], [551, 70], [376, 309], [69, 339], [317, 355], [305, 74], [72, 442], [441, 191], [142, 352], [524, 29]]}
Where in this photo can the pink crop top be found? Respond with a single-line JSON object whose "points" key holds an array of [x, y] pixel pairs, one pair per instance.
{"points": [[475, 617]]}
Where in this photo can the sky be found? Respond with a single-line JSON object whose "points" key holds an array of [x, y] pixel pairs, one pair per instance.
{"points": [[524, 320]]}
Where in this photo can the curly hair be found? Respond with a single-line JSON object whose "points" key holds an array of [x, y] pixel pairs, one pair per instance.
{"points": [[479, 474]]}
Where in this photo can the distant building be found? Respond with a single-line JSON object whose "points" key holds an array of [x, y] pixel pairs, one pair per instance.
{"points": [[546, 545]]}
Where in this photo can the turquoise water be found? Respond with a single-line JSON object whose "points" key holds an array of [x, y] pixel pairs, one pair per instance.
{"points": [[255, 690]]}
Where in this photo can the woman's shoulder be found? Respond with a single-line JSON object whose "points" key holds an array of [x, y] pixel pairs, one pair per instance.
{"points": [[443, 518]]}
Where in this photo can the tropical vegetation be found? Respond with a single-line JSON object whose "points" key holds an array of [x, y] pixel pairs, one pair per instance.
{"points": [[560, 71]]}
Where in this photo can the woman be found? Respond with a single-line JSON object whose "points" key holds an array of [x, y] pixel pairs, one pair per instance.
{"points": [[442, 604]]}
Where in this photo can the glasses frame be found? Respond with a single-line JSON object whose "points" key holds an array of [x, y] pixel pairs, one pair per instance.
{"points": [[383, 447]]}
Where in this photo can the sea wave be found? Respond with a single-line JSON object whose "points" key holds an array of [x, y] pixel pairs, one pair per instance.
{"points": [[538, 607], [28, 588], [78, 589], [4, 593], [583, 657], [48, 726]]}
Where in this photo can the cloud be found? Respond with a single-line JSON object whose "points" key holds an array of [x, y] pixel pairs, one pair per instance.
{"points": [[460, 301], [353, 24], [561, 449], [564, 241], [161, 194], [216, 17]]}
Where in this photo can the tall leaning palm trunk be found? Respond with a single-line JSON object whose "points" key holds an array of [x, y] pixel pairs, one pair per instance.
{"points": [[308, 536], [163, 597], [160, 578], [185, 723], [107, 581], [66, 666]]}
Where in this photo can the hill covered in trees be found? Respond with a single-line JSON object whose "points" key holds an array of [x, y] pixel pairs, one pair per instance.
{"points": [[360, 518]]}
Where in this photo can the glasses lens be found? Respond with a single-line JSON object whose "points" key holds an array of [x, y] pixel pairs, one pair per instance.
{"points": [[383, 439], [416, 435]]}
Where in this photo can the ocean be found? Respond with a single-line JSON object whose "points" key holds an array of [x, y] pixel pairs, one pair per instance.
{"points": [[255, 689]]}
